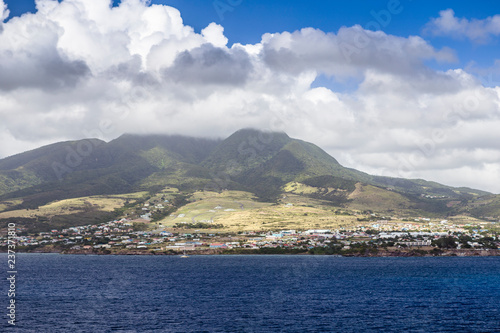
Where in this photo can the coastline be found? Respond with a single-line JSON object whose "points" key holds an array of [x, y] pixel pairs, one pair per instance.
{"points": [[395, 253]]}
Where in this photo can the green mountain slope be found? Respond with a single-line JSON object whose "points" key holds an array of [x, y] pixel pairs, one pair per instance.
{"points": [[91, 167], [420, 186], [43, 164], [263, 163]]}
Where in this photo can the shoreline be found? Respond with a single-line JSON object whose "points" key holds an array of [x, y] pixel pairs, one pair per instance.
{"points": [[380, 254]]}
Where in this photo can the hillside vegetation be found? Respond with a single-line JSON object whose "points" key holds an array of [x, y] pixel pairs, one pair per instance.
{"points": [[256, 168]]}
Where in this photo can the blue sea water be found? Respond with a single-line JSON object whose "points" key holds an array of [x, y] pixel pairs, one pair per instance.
{"points": [[76, 293]]}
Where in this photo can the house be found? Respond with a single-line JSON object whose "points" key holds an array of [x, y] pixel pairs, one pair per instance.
{"points": [[317, 231], [218, 246], [416, 243]]}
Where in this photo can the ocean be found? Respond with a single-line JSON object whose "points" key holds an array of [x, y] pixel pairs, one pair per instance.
{"points": [[78, 293]]}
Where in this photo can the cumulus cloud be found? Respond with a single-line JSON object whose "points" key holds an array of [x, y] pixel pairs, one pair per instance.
{"points": [[209, 64], [82, 68], [479, 31], [4, 14], [350, 52]]}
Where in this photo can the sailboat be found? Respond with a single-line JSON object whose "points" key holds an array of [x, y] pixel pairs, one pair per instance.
{"points": [[184, 255]]}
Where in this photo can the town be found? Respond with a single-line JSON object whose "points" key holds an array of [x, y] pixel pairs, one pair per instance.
{"points": [[373, 238]]}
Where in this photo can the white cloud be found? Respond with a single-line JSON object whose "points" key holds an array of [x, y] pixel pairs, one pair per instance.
{"points": [[214, 34], [479, 31], [4, 12], [350, 52], [81, 68]]}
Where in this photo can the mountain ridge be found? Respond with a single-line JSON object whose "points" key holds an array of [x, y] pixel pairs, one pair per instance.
{"points": [[266, 164]]}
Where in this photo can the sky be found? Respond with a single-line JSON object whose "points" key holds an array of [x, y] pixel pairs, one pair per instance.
{"points": [[395, 88]]}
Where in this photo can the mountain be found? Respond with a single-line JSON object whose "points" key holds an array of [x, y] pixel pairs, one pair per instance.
{"points": [[90, 167], [266, 164], [35, 167]]}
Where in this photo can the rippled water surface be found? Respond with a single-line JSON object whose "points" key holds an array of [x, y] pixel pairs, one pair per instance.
{"points": [[70, 293]]}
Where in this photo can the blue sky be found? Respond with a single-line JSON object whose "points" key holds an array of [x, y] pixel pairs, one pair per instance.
{"points": [[396, 88]]}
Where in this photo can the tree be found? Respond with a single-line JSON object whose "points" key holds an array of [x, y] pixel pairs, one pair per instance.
{"points": [[445, 242]]}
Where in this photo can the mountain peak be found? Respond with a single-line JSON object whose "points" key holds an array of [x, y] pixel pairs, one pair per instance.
{"points": [[245, 149], [255, 131]]}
